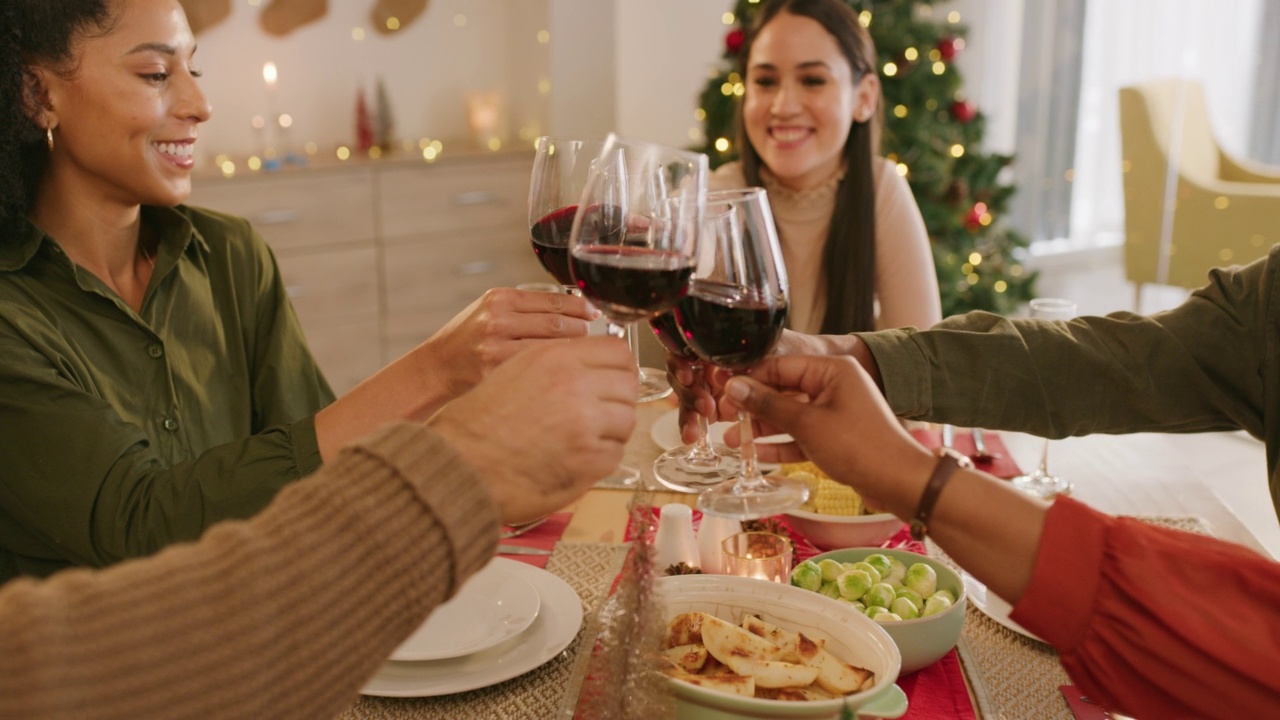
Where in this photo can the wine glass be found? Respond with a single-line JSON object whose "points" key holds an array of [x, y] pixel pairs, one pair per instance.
{"points": [[690, 468], [1040, 482], [632, 244], [732, 317], [560, 167]]}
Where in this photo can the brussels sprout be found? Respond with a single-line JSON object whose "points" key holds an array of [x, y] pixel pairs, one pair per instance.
{"points": [[904, 608], [807, 575], [830, 590], [881, 563], [868, 569], [922, 579], [897, 570], [854, 584], [880, 594], [856, 604], [936, 604], [831, 569], [885, 617], [916, 598], [873, 611], [946, 594]]}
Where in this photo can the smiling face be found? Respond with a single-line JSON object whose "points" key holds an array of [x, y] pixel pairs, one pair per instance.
{"points": [[125, 113], [801, 99]]}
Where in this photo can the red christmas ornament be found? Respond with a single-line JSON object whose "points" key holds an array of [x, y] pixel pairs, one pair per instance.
{"points": [[733, 41], [973, 219], [963, 111], [948, 47]]}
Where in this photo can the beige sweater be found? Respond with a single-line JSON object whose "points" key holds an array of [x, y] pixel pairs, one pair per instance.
{"points": [[282, 616], [906, 283]]}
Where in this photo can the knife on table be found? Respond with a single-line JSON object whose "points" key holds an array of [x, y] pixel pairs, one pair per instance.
{"points": [[521, 550]]}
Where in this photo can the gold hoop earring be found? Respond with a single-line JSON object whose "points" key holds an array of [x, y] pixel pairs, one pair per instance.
{"points": [[48, 136]]}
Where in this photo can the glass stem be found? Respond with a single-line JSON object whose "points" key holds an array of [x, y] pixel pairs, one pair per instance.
{"points": [[615, 330], [1044, 460], [750, 477]]}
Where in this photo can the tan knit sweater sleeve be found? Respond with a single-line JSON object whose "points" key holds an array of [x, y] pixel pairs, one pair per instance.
{"points": [[281, 616]]}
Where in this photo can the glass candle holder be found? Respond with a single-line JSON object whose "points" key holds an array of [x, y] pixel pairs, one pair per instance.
{"points": [[759, 555]]}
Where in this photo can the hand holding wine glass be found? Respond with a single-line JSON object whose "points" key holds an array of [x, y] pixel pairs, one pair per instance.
{"points": [[732, 317]]}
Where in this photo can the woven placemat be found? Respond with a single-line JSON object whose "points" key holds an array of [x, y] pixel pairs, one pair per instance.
{"points": [[1013, 676], [589, 568]]}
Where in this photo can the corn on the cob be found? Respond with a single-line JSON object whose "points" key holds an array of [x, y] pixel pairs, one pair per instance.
{"points": [[826, 496]]}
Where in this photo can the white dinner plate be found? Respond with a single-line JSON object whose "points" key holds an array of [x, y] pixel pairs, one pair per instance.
{"points": [[993, 605], [665, 432], [556, 626], [495, 605]]}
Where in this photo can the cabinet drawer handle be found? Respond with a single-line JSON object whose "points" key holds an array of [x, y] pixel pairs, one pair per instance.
{"points": [[275, 217], [478, 267], [477, 197]]}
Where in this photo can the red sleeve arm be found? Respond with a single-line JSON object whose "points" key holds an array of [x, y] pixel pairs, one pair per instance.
{"points": [[1156, 622]]}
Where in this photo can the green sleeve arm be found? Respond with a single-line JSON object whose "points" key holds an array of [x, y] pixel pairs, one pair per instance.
{"points": [[1198, 367]]}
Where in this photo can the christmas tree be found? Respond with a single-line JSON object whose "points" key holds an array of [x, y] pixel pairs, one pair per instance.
{"points": [[932, 132]]}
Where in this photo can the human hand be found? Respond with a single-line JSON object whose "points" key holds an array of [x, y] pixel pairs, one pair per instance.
{"points": [[499, 324], [835, 413], [540, 430]]}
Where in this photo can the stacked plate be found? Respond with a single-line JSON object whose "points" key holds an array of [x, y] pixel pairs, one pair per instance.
{"points": [[508, 619]]}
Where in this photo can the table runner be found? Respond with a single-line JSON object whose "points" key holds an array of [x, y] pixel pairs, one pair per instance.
{"points": [[543, 693], [1013, 676]]}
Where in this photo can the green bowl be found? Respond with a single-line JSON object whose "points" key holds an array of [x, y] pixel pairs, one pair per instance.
{"points": [[925, 640]]}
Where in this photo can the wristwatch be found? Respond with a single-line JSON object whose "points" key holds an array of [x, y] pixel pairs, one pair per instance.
{"points": [[948, 462]]}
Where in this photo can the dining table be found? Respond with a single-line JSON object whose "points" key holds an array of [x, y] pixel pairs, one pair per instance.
{"points": [[1214, 483]]}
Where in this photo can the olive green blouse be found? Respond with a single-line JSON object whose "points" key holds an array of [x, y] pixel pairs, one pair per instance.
{"points": [[126, 431], [1210, 364]]}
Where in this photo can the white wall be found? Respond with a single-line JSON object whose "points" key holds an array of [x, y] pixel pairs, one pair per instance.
{"points": [[667, 49], [427, 69]]}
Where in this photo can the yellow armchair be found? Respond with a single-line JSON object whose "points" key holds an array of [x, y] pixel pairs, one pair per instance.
{"points": [[1224, 210]]}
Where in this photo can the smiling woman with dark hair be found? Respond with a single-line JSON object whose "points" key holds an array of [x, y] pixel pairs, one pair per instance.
{"points": [[155, 377], [855, 245]]}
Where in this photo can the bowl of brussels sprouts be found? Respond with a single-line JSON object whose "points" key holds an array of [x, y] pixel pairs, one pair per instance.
{"points": [[918, 600]]}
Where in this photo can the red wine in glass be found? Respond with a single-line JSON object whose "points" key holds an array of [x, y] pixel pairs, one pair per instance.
{"points": [[731, 326], [670, 335], [551, 242], [630, 283]]}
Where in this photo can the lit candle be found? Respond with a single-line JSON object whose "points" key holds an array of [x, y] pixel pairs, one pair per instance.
{"points": [[270, 76], [758, 555]]}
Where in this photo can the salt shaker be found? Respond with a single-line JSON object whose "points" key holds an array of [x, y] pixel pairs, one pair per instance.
{"points": [[711, 533], [674, 541]]}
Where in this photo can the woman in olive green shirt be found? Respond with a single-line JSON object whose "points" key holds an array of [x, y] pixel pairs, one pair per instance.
{"points": [[154, 377]]}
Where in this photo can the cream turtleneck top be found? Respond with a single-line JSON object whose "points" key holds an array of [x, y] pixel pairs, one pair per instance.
{"points": [[906, 283]]}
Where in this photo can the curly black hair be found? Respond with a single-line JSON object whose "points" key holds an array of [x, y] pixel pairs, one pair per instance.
{"points": [[44, 33]]}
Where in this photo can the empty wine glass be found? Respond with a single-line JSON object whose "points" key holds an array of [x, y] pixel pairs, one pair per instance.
{"points": [[732, 317], [690, 468], [1040, 482], [634, 236], [560, 167]]}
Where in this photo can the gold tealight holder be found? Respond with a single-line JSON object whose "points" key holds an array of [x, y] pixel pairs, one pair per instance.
{"points": [[758, 555]]}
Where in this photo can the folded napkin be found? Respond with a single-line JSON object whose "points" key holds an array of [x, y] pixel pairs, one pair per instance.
{"points": [[544, 537]]}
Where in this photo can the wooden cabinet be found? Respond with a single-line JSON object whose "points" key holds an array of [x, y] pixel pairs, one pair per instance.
{"points": [[378, 255]]}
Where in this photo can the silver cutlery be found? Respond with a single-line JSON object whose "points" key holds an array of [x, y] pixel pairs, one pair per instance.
{"points": [[521, 550], [980, 453], [511, 531]]}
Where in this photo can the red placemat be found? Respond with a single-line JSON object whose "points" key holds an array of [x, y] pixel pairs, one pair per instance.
{"points": [[543, 537], [1002, 466]]}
